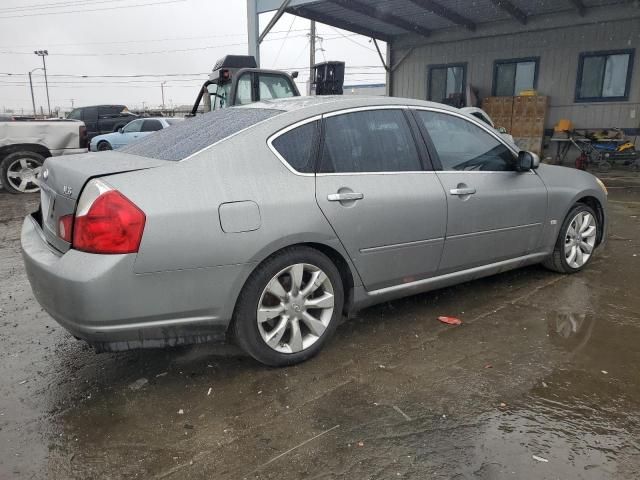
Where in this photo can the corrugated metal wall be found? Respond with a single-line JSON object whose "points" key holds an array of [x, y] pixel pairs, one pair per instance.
{"points": [[558, 49]]}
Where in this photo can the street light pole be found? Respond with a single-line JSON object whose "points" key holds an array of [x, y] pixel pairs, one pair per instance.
{"points": [[162, 88], [44, 53]]}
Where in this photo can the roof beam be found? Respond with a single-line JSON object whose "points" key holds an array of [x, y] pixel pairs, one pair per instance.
{"points": [[511, 9], [446, 13], [369, 11], [579, 6], [337, 22]]}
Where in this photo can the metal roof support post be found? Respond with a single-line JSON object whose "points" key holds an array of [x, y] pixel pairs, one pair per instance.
{"points": [[253, 30], [274, 20]]}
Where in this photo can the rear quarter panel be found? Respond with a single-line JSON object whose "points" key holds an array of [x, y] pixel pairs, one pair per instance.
{"points": [[182, 202], [566, 186]]}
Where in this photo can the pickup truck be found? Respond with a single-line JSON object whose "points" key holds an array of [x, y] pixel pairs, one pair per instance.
{"points": [[101, 119], [24, 145]]}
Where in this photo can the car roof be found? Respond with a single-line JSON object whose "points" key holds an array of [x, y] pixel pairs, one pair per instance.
{"points": [[338, 102]]}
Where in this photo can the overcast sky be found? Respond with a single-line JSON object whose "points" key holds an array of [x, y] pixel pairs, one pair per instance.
{"points": [[156, 37]]}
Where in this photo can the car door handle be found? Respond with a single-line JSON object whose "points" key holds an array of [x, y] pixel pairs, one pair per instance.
{"points": [[462, 191], [344, 197]]}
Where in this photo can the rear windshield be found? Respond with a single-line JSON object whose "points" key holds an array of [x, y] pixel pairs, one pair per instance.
{"points": [[194, 134]]}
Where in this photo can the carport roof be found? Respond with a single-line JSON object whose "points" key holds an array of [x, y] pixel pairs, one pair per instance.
{"points": [[386, 19]]}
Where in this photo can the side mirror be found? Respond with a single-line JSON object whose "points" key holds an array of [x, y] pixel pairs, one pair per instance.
{"points": [[502, 130], [121, 130], [294, 75], [527, 161]]}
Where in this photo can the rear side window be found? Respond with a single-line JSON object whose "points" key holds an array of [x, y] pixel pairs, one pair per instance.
{"points": [[75, 114], [151, 126], [297, 146], [194, 134], [369, 141]]}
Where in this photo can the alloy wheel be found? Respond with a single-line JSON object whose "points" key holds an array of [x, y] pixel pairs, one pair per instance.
{"points": [[22, 173], [295, 308], [580, 239]]}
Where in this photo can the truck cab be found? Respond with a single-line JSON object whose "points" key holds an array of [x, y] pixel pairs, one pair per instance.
{"points": [[237, 80]]}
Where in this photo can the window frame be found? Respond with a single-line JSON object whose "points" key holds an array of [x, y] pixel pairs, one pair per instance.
{"points": [[423, 153], [604, 53], [139, 120], [432, 67], [508, 61], [433, 153]]}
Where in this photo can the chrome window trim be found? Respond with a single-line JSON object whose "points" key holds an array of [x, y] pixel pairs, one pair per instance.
{"points": [[284, 130], [364, 109], [473, 121], [350, 174]]}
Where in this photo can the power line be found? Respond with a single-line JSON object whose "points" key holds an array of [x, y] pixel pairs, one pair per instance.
{"points": [[166, 2], [67, 3]]}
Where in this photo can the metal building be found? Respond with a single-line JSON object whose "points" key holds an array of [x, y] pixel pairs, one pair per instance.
{"points": [[582, 54]]}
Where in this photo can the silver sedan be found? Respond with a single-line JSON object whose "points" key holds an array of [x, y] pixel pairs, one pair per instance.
{"points": [[270, 222]]}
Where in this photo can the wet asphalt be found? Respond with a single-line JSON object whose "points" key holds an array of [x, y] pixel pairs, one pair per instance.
{"points": [[541, 381]]}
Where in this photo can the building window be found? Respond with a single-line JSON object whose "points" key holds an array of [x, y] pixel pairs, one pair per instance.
{"points": [[510, 77], [604, 76], [446, 82]]}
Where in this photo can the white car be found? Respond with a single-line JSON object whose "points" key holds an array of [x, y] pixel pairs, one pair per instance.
{"points": [[484, 116], [131, 131]]}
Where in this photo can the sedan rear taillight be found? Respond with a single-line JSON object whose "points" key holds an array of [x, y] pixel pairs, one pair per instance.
{"points": [[106, 221]]}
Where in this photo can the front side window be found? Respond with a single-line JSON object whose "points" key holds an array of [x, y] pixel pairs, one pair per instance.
{"points": [[151, 126], [369, 141], [297, 146], [446, 82], [133, 127], [274, 86], [513, 76], [604, 76], [219, 95], [461, 145]]}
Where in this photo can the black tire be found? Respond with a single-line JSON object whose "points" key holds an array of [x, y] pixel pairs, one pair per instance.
{"points": [[104, 146], [244, 327], [8, 165], [557, 261]]}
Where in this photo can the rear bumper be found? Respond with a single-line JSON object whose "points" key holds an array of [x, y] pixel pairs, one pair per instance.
{"points": [[100, 299]]}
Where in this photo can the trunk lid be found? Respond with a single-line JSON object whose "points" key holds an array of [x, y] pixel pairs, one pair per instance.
{"points": [[62, 179]]}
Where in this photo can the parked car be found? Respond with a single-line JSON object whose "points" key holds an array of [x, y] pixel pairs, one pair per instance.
{"points": [[101, 119], [271, 221], [24, 145], [139, 128], [484, 116]]}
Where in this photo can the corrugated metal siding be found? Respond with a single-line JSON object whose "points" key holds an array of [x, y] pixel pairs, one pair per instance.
{"points": [[559, 51]]}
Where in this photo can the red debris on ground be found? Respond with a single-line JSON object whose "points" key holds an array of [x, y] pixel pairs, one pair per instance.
{"points": [[450, 320]]}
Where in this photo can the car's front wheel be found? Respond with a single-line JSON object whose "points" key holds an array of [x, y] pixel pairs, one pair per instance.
{"points": [[576, 241], [104, 145], [289, 307]]}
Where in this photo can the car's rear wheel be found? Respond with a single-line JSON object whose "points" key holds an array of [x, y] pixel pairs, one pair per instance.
{"points": [[104, 145], [19, 170], [289, 307], [576, 241]]}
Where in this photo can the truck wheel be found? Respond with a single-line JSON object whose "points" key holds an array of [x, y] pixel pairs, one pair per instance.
{"points": [[104, 145], [18, 171]]}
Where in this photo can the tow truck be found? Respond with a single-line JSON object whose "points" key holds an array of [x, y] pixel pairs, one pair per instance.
{"points": [[237, 80]]}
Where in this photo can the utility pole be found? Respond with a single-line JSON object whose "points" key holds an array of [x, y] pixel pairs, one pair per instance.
{"points": [[43, 54], [72, 103], [162, 88], [312, 55], [33, 99]]}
